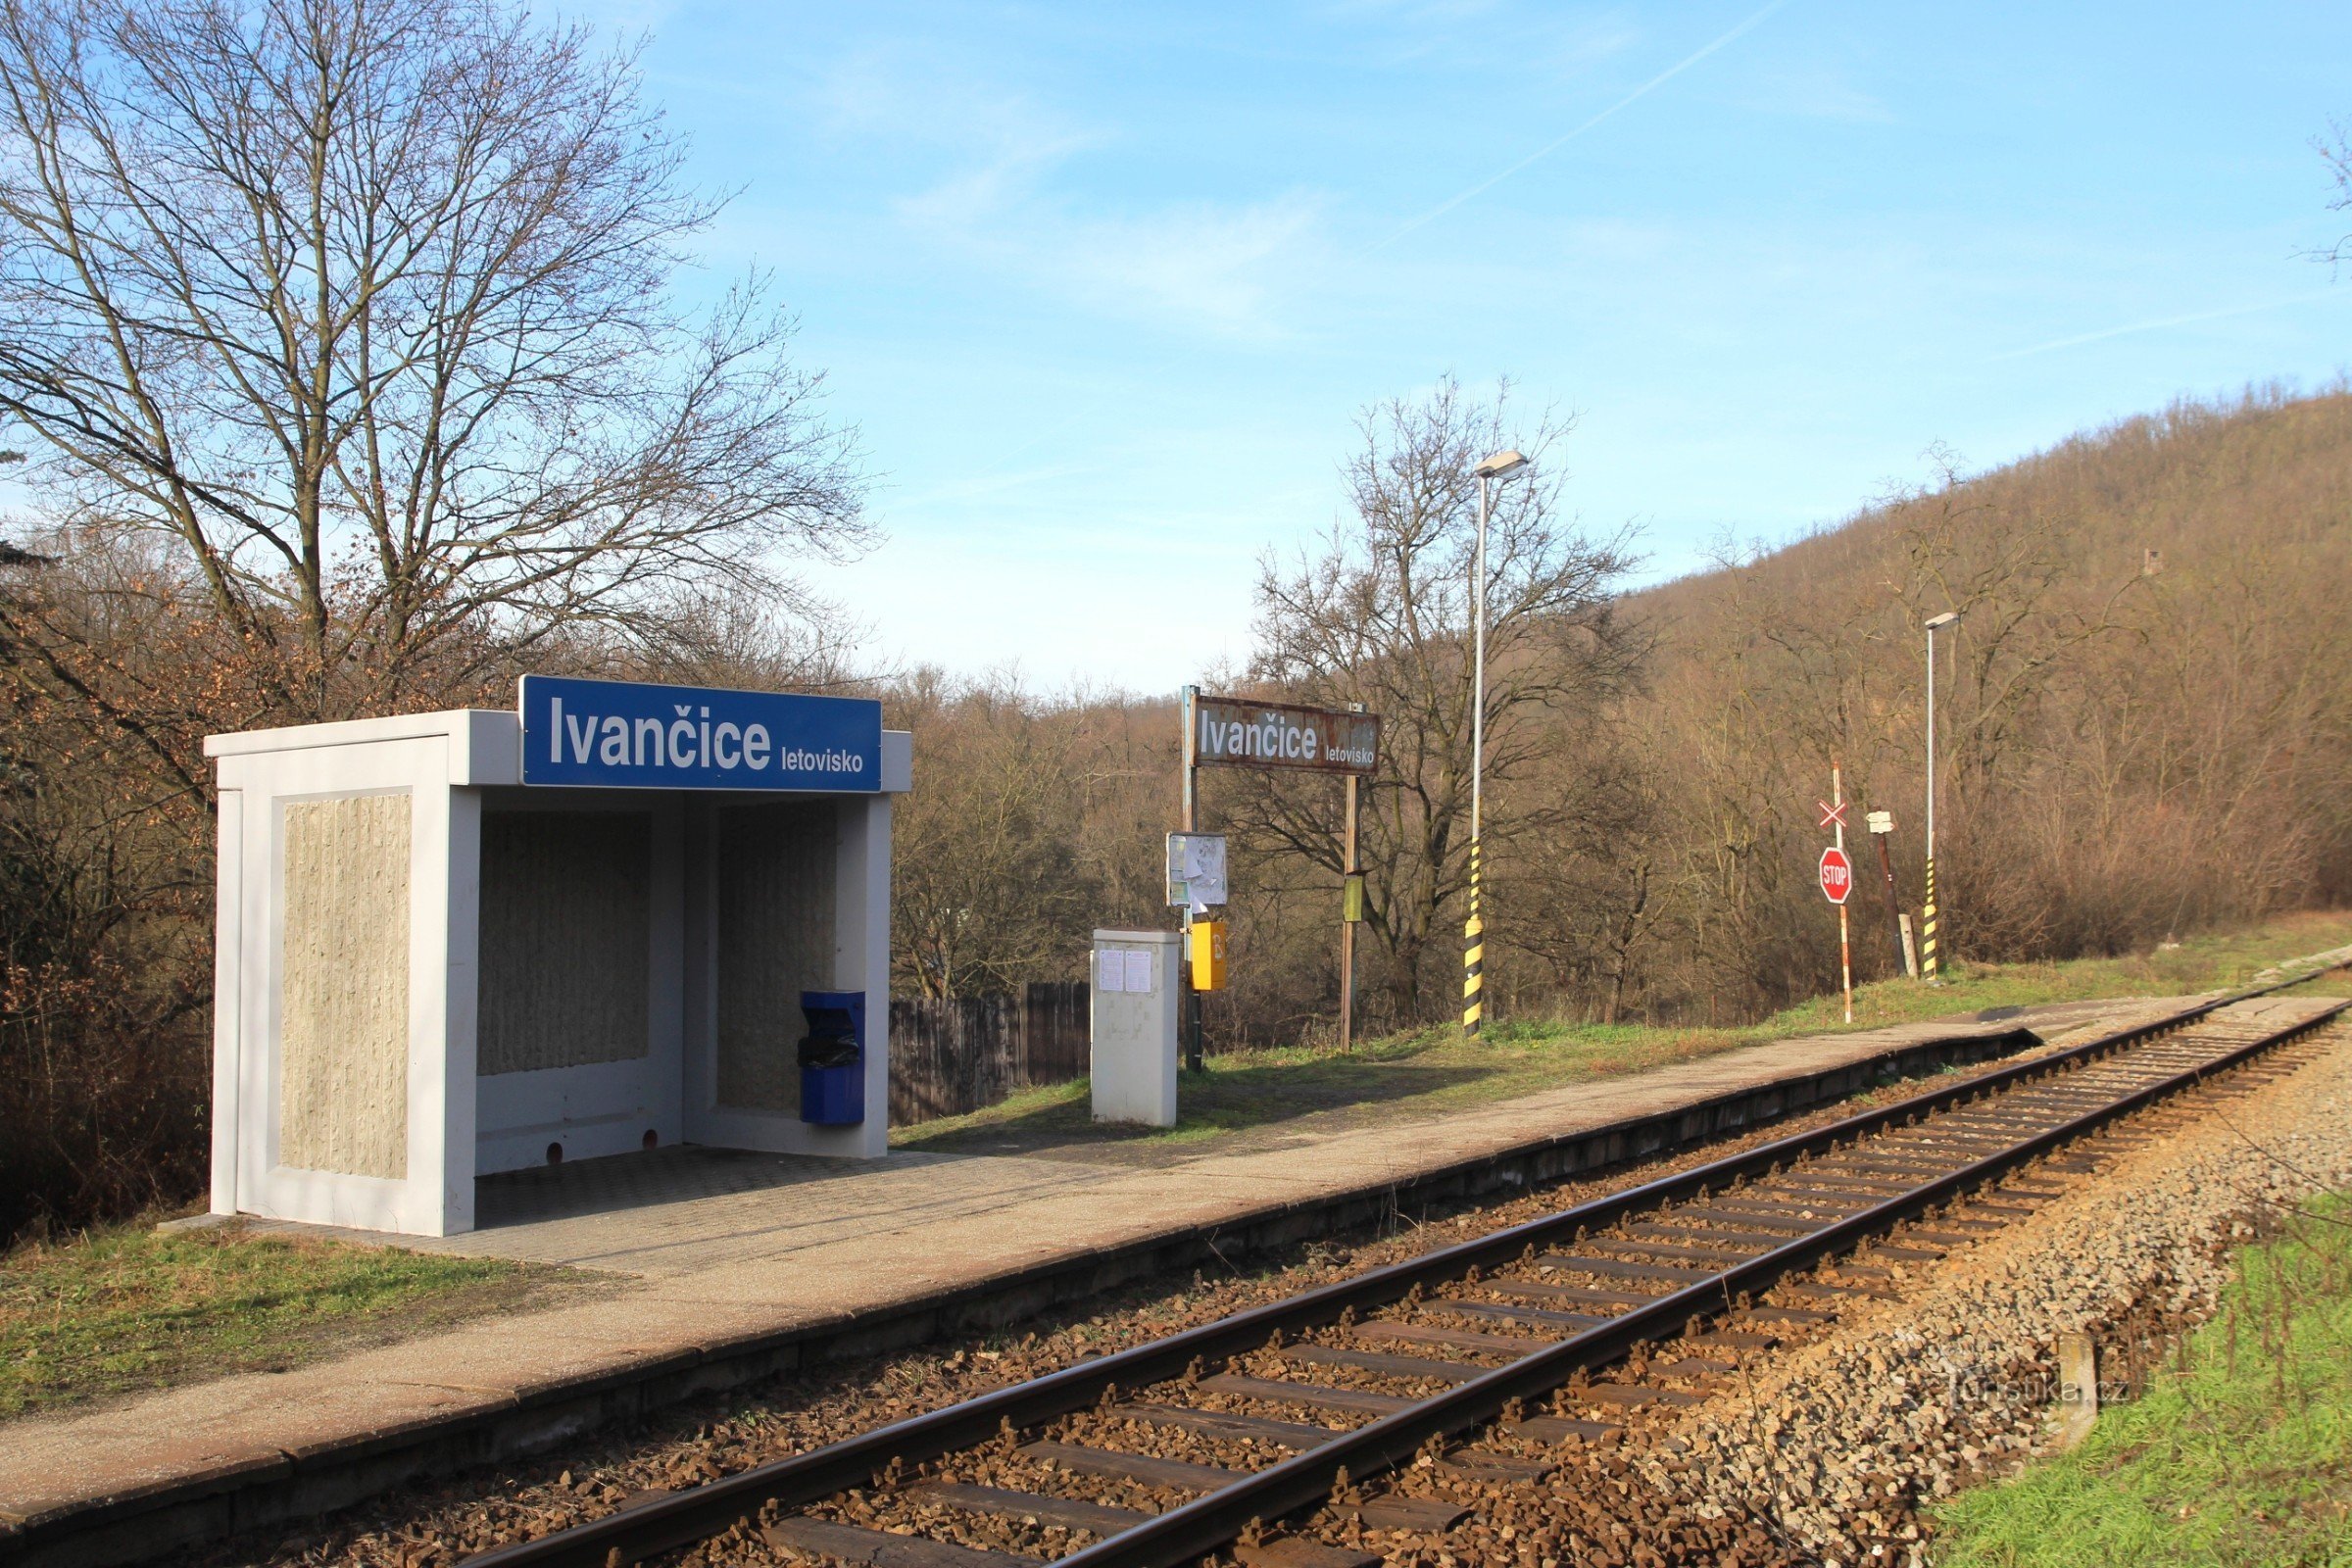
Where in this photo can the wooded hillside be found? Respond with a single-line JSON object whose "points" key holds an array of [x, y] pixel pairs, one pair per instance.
{"points": [[2145, 728], [2143, 724], [2143, 720]]}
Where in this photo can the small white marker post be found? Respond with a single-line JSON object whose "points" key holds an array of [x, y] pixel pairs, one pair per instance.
{"points": [[1881, 828], [2077, 1386]]}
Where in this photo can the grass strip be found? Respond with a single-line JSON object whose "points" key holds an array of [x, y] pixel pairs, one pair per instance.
{"points": [[117, 1311], [1429, 1071], [2242, 1458]]}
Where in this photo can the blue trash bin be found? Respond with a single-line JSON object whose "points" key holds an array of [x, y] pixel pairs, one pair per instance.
{"points": [[833, 1059]]}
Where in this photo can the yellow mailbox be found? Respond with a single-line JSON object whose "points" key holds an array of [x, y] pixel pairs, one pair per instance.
{"points": [[1208, 954]]}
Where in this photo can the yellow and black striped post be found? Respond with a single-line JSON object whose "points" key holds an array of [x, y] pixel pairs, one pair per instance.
{"points": [[1474, 952], [1926, 932]]}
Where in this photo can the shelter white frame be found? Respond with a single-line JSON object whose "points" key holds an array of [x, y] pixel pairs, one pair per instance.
{"points": [[451, 767]]}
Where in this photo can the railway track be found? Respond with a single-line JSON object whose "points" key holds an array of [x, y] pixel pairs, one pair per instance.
{"points": [[1346, 1381]]}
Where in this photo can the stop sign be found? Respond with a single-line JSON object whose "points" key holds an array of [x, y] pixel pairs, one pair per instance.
{"points": [[1836, 874]]}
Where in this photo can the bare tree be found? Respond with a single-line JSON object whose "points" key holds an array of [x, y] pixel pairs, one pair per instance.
{"points": [[1029, 824], [2336, 149], [1587, 890], [365, 307], [1381, 613]]}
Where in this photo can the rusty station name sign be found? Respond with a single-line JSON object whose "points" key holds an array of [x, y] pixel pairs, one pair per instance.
{"points": [[1233, 733]]}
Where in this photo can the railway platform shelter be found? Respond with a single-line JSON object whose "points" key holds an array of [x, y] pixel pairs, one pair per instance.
{"points": [[461, 943]]}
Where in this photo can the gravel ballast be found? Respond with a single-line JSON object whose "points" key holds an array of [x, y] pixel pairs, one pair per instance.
{"points": [[1831, 1449], [439, 1522], [1822, 1449]]}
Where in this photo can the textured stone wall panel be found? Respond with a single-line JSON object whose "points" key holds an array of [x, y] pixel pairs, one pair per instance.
{"points": [[567, 926], [343, 999], [776, 866]]}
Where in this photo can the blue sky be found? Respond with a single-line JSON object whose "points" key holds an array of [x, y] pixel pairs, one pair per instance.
{"points": [[1104, 286]]}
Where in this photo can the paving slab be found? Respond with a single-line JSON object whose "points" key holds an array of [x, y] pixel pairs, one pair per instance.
{"points": [[710, 1248], [737, 1215]]}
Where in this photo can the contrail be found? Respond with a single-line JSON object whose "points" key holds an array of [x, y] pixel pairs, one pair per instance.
{"points": [[2189, 319], [1040, 438], [1562, 140]]}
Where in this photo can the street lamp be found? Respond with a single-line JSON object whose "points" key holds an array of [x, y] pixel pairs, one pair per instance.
{"points": [[1927, 936], [1501, 466]]}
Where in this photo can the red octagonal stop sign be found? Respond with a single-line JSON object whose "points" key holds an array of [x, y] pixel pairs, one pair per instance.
{"points": [[1836, 874]]}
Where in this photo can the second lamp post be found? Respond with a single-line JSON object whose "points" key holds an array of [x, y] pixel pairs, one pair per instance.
{"points": [[1927, 962], [1501, 466]]}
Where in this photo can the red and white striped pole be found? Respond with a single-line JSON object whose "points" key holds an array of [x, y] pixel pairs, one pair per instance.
{"points": [[1845, 946]]}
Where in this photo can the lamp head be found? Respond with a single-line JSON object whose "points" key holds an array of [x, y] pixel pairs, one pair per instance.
{"points": [[1499, 464], [1946, 619]]}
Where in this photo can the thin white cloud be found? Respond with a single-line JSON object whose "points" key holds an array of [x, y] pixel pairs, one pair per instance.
{"points": [[920, 100], [1200, 265], [983, 193], [1004, 199], [1556, 143], [984, 486], [1817, 91], [1226, 267], [1223, 266], [1441, 13], [1472, 34], [2162, 324]]}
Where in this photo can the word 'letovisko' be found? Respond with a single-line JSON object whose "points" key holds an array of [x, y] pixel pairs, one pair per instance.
{"points": [[687, 739]]}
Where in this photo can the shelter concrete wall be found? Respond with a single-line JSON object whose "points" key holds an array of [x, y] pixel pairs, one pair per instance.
{"points": [[566, 932], [775, 873], [343, 1002]]}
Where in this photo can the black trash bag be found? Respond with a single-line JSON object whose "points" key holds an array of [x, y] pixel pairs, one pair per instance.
{"points": [[829, 1050]]}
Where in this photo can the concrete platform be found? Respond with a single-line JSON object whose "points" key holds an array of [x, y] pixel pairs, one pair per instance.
{"points": [[687, 1210], [730, 1266]]}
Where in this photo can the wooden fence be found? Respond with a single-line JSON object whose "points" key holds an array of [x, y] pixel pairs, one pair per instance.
{"points": [[958, 1054]]}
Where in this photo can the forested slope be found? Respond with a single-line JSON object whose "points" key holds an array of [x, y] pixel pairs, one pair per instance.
{"points": [[2144, 727], [2144, 721]]}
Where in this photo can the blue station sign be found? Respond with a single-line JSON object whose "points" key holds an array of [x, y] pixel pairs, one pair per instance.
{"points": [[609, 734]]}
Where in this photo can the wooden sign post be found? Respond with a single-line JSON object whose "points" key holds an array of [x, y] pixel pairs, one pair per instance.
{"points": [[1881, 828], [1237, 732]]}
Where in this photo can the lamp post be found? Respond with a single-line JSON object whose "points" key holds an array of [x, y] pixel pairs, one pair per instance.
{"points": [[1927, 966], [1501, 466]]}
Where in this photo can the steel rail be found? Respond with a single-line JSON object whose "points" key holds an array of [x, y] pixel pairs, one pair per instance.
{"points": [[687, 1517], [1307, 1478]]}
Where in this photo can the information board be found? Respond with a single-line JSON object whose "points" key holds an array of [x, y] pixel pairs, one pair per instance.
{"points": [[1196, 870]]}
